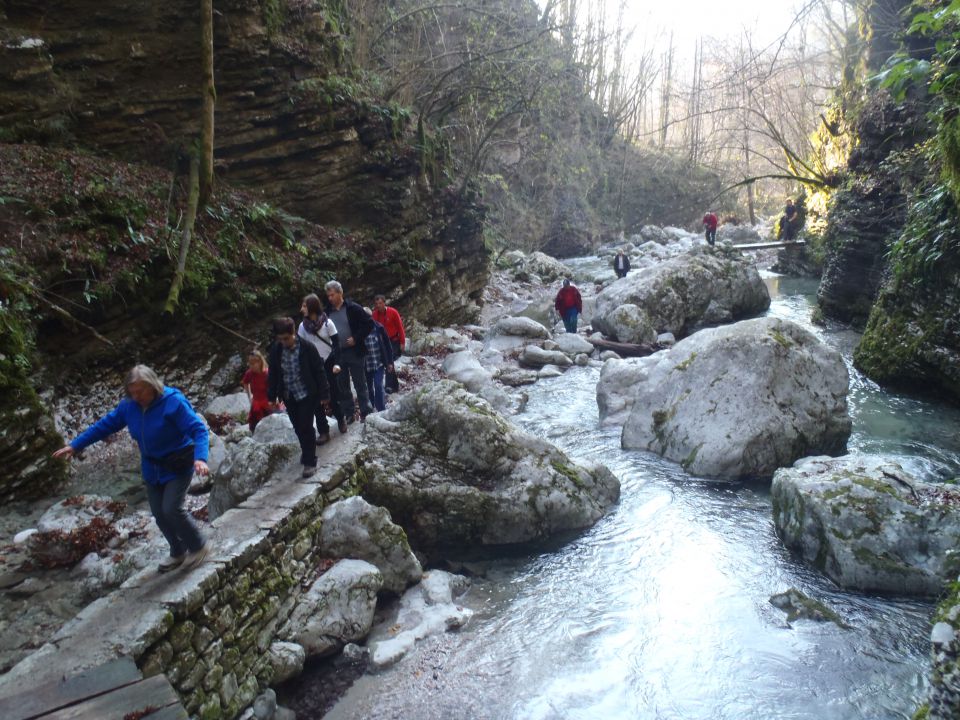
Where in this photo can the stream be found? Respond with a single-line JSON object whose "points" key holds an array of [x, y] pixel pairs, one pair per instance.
{"points": [[662, 609]]}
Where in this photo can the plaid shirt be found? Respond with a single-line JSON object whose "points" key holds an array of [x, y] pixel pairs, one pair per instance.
{"points": [[296, 389], [372, 360]]}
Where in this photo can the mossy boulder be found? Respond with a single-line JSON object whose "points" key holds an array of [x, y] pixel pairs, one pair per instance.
{"points": [[869, 524], [703, 287], [457, 476], [736, 401]]}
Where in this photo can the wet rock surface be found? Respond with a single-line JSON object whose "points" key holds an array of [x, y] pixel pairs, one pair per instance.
{"points": [[704, 405], [869, 524]]}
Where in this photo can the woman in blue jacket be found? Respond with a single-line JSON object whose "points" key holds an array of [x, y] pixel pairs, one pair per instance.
{"points": [[173, 446]]}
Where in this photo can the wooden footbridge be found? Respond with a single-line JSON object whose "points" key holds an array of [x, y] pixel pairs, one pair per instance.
{"points": [[770, 245], [114, 691]]}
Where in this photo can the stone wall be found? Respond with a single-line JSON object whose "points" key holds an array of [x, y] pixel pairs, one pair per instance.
{"points": [[209, 629]]}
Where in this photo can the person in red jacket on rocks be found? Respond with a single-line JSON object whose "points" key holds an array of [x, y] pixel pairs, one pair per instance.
{"points": [[393, 324], [569, 304], [710, 227]]}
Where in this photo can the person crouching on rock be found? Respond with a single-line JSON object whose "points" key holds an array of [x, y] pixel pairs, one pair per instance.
{"points": [[173, 444], [569, 305], [298, 378]]}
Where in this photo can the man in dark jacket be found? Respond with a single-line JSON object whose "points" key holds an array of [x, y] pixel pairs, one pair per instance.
{"points": [[353, 326], [621, 264], [297, 377]]}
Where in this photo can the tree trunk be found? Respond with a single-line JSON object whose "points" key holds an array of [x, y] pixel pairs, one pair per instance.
{"points": [[209, 101], [173, 298]]}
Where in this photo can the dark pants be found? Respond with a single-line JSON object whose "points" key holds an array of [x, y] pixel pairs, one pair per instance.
{"points": [[375, 387], [621, 273], [391, 381], [166, 504], [301, 415], [570, 320], [789, 229], [711, 236], [351, 368], [322, 425]]}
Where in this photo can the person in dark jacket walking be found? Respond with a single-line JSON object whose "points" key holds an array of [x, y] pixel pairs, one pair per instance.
{"points": [[377, 362], [297, 377], [353, 326], [390, 318], [569, 305], [621, 264], [174, 444], [318, 330], [789, 221]]}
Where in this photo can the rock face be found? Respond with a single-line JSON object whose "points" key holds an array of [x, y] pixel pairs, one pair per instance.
{"points": [[236, 405], [353, 528], [617, 388], [248, 467], [944, 695], [868, 524], [337, 609], [464, 368], [704, 287], [742, 400], [457, 476]]}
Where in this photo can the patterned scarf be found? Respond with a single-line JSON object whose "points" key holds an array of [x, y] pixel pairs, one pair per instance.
{"points": [[314, 327]]}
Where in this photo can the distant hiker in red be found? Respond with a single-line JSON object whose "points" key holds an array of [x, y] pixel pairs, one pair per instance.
{"points": [[710, 227], [254, 382], [393, 324], [569, 304]]}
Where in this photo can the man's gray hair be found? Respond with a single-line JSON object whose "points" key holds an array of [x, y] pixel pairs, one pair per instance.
{"points": [[335, 286], [141, 373]]}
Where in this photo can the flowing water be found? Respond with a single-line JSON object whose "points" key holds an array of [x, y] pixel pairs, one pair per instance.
{"points": [[662, 609]]}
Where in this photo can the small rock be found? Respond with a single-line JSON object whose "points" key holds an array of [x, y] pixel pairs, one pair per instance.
{"points": [[354, 652], [24, 535], [550, 345], [521, 327], [265, 706], [800, 606], [581, 360], [275, 429], [535, 357], [609, 355], [573, 344], [666, 339], [942, 634], [236, 405], [549, 371], [286, 659]]}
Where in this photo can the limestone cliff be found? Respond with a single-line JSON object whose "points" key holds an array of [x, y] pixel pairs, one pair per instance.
{"points": [[99, 107]]}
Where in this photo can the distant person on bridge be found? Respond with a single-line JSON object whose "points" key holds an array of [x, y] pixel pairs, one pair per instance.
{"points": [[621, 264], [710, 223], [174, 444], [569, 305], [789, 222]]}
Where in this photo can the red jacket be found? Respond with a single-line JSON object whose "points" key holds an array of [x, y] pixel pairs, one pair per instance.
{"points": [[392, 323], [710, 221], [567, 299]]}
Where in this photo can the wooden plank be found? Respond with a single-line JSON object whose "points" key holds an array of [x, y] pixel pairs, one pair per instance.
{"points": [[769, 245], [37, 701], [154, 692]]}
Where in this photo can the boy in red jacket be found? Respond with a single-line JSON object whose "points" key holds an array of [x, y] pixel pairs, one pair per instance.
{"points": [[569, 304]]}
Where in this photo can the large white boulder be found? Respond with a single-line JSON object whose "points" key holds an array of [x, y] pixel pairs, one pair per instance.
{"points": [[464, 368], [738, 234], [520, 327], [869, 524], [619, 380], [276, 429], [742, 400], [572, 344], [455, 474], [249, 466], [700, 288], [536, 357], [353, 528], [337, 608], [236, 406]]}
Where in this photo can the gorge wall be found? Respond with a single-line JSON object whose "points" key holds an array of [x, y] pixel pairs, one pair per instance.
{"points": [[316, 179]]}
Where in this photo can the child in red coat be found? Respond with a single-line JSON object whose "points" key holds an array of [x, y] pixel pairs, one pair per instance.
{"points": [[255, 383]]}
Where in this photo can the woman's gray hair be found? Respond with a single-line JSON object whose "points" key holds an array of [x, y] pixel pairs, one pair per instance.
{"points": [[335, 286], [141, 373]]}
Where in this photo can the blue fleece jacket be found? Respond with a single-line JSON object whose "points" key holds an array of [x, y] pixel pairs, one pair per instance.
{"points": [[167, 425]]}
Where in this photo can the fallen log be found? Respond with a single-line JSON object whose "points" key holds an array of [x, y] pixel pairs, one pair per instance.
{"points": [[625, 349]]}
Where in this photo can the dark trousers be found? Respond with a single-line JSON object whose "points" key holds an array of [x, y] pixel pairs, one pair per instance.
{"points": [[391, 381], [166, 504], [621, 273], [711, 236], [301, 414], [351, 368], [570, 320], [323, 426]]}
